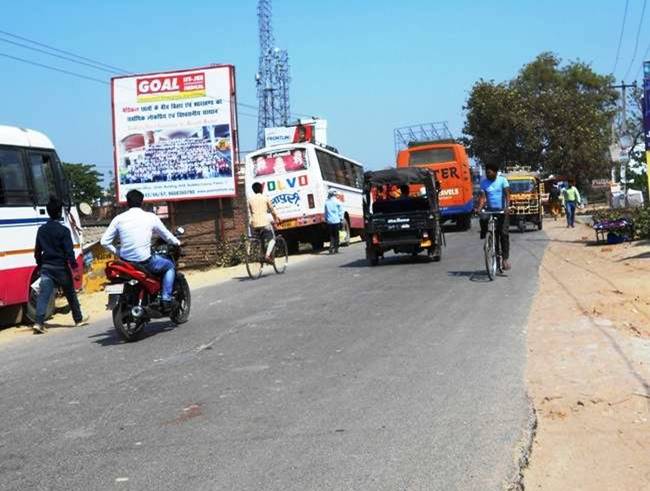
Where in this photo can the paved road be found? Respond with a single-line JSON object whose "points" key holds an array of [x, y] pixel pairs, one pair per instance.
{"points": [[334, 376]]}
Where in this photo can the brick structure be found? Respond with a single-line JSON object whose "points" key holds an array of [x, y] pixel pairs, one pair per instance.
{"points": [[208, 222]]}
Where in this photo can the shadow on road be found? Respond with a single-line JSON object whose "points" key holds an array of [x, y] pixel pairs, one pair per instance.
{"points": [[389, 261], [476, 276], [110, 337]]}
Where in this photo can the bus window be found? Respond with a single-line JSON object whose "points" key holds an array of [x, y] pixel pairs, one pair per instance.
{"points": [[431, 156], [327, 165], [43, 176], [14, 189]]}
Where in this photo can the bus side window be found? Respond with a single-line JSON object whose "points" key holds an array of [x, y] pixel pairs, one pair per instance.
{"points": [[358, 176], [14, 189], [326, 166], [42, 176]]}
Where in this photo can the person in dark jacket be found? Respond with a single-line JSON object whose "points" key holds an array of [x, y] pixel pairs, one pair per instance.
{"points": [[54, 256]]}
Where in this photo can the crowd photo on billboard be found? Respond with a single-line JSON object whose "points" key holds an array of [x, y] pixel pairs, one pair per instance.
{"points": [[176, 155]]}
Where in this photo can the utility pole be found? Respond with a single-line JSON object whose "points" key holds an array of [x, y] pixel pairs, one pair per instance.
{"points": [[624, 138]]}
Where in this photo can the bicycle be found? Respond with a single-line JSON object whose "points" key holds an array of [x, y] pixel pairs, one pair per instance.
{"points": [[491, 249], [255, 256]]}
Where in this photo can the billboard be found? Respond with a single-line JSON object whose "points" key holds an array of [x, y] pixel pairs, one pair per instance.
{"points": [[312, 130], [175, 134], [646, 117]]}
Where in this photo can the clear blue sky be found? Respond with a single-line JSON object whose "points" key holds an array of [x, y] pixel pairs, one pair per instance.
{"points": [[365, 66]]}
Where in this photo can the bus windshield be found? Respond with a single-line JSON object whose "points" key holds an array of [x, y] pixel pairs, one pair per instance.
{"points": [[14, 187], [431, 156], [281, 162], [34, 183], [521, 186]]}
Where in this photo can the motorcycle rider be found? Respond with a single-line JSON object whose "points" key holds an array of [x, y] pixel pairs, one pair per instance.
{"points": [[135, 228]]}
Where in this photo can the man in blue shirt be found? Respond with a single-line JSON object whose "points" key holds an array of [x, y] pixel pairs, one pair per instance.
{"points": [[495, 196], [334, 218]]}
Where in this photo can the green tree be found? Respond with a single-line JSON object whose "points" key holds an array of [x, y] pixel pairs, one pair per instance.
{"points": [[84, 180], [553, 118]]}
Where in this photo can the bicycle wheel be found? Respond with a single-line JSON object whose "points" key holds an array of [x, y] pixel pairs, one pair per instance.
{"points": [[490, 256], [254, 259], [280, 255]]}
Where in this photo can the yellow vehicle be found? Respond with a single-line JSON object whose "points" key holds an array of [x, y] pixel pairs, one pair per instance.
{"points": [[526, 190]]}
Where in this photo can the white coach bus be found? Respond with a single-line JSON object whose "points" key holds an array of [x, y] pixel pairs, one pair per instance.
{"points": [[297, 178], [30, 173]]}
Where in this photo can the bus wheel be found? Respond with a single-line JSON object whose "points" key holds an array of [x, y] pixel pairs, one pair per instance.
{"points": [[465, 222], [30, 306], [347, 234], [11, 316]]}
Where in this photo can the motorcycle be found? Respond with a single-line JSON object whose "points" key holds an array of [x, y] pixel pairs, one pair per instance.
{"points": [[134, 293]]}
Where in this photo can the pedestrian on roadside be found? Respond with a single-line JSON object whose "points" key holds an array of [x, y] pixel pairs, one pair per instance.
{"points": [[55, 258], [572, 199], [334, 218], [555, 203]]}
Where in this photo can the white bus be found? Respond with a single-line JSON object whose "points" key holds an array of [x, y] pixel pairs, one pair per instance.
{"points": [[297, 178], [30, 173]]}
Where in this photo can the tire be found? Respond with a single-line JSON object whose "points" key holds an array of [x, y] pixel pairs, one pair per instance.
{"points": [[540, 224], [293, 246], [182, 295], [465, 222], [490, 257], [348, 234], [373, 257], [317, 245], [253, 258], [436, 251], [128, 328], [30, 306], [521, 225], [280, 255]]}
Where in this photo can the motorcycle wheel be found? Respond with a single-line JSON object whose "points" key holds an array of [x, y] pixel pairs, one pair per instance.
{"points": [[183, 297], [130, 329]]}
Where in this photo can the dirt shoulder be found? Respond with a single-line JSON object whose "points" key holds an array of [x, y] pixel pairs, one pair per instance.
{"points": [[94, 304], [588, 367]]}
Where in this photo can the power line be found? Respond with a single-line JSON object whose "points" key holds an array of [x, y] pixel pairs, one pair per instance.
{"points": [[52, 48], [620, 37], [49, 67], [636, 42]]}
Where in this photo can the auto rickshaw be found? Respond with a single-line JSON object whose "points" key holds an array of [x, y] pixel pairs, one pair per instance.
{"points": [[401, 213], [526, 190]]}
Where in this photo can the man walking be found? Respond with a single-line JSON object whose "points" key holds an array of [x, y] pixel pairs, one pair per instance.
{"points": [[334, 218], [54, 256], [571, 200]]}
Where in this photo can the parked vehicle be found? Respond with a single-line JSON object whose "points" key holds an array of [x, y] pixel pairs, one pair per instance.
{"points": [[402, 214], [134, 294], [296, 177], [30, 173], [449, 162], [526, 191]]}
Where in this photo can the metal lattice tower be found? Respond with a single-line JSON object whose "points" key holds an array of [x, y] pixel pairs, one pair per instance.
{"points": [[272, 77]]}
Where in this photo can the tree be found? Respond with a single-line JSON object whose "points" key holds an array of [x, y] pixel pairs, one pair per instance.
{"points": [[84, 182], [553, 118], [109, 192]]}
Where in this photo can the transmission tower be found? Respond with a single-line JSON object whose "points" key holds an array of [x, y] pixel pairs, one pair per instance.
{"points": [[272, 76]]}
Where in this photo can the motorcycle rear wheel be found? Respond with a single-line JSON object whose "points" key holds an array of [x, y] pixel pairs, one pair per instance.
{"points": [[129, 328], [183, 297]]}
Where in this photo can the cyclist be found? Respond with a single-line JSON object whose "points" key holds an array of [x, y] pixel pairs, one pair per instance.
{"points": [[259, 207], [495, 196]]}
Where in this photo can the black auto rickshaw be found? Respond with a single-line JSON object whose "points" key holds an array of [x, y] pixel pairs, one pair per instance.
{"points": [[401, 213]]}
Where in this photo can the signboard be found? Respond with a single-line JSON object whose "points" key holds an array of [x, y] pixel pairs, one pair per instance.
{"points": [[313, 130], [646, 112], [600, 183], [174, 134]]}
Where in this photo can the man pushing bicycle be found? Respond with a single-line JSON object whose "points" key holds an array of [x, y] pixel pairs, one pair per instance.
{"points": [[259, 207], [495, 197]]}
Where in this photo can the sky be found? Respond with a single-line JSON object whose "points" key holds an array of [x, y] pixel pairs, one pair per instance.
{"points": [[367, 66]]}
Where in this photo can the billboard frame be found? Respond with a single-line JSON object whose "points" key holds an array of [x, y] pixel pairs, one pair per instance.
{"points": [[234, 129]]}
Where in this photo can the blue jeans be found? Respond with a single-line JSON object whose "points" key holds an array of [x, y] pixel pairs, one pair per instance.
{"points": [[50, 280], [164, 267], [570, 213]]}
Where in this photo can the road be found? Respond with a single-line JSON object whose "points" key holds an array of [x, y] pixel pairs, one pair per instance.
{"points": [[335, 375]]}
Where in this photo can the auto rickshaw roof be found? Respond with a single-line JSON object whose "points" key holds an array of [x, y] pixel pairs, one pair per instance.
{"points": [[406, 175]]}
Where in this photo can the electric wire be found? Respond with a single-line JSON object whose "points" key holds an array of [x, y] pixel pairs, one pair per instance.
{"points": [[636, 42], [620, 37]]}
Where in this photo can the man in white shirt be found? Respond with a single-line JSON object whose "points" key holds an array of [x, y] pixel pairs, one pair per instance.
{"points": [[135, 228]]}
